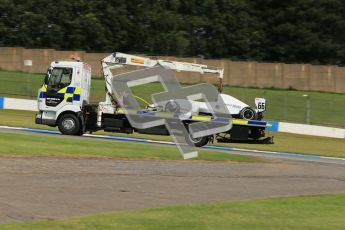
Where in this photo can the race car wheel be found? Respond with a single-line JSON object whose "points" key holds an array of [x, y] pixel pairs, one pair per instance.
{"points": [[200, 141], [172, 107], [248, 114]]}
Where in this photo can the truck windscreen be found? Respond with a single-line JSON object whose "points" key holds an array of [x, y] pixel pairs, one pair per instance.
{"points": [[60, 78]]}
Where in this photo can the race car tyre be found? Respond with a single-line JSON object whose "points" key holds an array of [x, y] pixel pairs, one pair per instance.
{"points": [[200, 141], [248, 114]]}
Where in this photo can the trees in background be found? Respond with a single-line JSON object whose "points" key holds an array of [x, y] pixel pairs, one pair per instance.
{"points": [[264, 30]]}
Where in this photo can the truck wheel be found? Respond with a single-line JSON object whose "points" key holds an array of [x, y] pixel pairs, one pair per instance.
{"points": [[200, 141], [248, 114], [69, 124], [172, 107]]}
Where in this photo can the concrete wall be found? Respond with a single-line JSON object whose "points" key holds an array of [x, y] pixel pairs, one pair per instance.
{"points": [[278, 75], [18, 104], [312, 130]]}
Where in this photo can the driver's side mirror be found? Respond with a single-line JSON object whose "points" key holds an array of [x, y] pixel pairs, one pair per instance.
{"points": [[46, 79]]}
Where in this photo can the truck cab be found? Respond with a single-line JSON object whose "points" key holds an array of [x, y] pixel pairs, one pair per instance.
{"points": [[66, 89]]}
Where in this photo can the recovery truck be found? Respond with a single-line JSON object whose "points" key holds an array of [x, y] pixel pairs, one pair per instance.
{"points": [[64, 101]]}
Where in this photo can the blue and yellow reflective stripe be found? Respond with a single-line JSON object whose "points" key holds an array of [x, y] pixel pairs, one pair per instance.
{"points": [[253, 122], [201, 118], [65, 92], [44, 88], [77, 90], [121, 111], [239, 122], [234, 121], [127, 111], [73, 92], [43, 93]]}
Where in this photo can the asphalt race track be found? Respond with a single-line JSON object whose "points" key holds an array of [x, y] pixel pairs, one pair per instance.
{"points": [[35, 188]]}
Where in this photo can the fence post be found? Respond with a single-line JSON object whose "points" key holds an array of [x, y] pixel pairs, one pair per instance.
{"points": [[307, 109]]}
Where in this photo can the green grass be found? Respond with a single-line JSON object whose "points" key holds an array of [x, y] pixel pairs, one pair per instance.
{"points": [[19, 118], [68, 146], [283, 142], [306, 212], [20, 85], [294, 143], [283, 105]]}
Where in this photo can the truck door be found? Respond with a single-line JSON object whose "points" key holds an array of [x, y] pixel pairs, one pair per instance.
{"points": [[58, 87]]}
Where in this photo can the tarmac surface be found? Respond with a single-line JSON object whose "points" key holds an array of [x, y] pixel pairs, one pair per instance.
{"points": [[36, 188]]}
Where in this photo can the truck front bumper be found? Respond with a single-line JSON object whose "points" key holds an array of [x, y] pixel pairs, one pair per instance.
{"points": [[40, 120]]}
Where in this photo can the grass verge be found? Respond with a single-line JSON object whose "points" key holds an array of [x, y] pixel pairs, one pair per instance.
{"points": [[58, 145], [283, 142], [294, 143], [306, 212]]}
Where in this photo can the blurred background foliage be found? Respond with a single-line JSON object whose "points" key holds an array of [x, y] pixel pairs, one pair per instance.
{"points": [[298, 31]]}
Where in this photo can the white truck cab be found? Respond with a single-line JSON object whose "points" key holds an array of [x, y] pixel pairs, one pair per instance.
{"points": [[65, 90]]}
